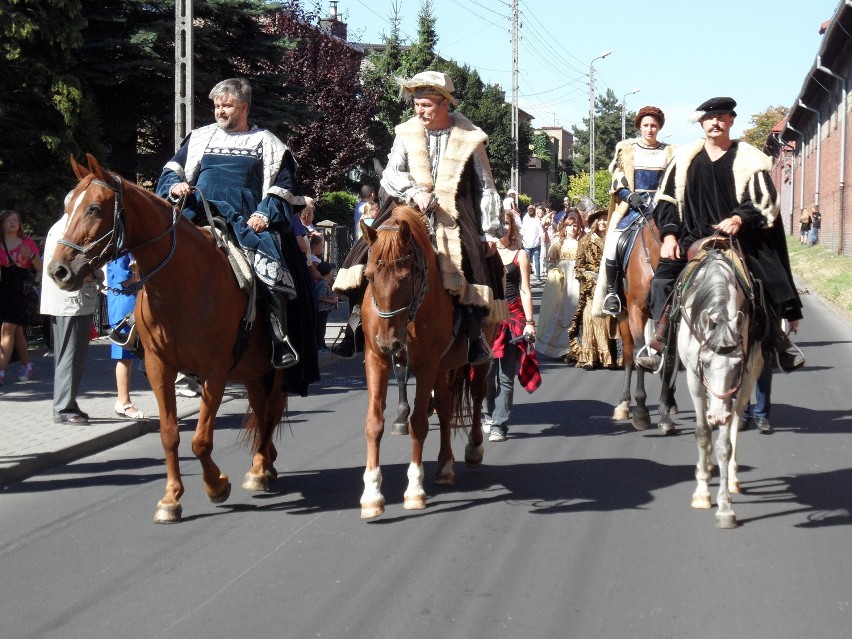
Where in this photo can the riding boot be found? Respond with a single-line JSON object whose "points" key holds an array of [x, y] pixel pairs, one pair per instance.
{"points": [[780, 352], [612, 301], [478, 351], [353, 335], [283, 353], [657, 345]]}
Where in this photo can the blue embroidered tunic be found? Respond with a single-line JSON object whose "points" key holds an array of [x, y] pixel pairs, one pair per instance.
{"points": [[241, 174]]}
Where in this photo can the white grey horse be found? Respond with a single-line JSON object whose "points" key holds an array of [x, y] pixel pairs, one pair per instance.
{"points": [[722, 364]]}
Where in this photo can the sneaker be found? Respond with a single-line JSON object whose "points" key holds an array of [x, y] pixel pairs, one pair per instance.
{"points": [[497, 434], [26, 373], [183, 391]]}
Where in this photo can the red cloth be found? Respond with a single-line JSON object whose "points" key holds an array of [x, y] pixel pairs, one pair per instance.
{"points": [[528, 373]]}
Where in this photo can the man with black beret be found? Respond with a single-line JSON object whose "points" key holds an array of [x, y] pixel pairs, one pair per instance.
{"points": [[722, 185]]}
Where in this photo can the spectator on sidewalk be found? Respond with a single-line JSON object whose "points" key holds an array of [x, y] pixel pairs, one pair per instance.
{"points": [[816, 223], [326, 301], [368, 194], [18, 254], [531, 232], [121, 273], [805, 227], [71, 323]]}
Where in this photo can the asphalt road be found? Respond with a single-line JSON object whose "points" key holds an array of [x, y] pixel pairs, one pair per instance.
{"points": [[575, 527]]}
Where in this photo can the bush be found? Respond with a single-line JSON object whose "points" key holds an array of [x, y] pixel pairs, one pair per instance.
{"points": [[336, 206], [524, 201]]}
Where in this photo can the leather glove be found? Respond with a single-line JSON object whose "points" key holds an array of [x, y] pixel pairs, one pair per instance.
{"points": [[636, 201]]}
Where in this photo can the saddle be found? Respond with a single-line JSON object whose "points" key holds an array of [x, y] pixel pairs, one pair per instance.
{"points": [[732, 253]]}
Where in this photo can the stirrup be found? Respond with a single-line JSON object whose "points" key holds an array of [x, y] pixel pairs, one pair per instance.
{"points": [[609, 311], [647, 351], [125, 333], [290, 356]]}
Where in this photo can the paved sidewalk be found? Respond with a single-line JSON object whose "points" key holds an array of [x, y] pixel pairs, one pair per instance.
{"points": [[29, 439]]}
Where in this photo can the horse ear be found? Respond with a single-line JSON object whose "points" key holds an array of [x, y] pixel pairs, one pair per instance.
{"points": [[79, 171], [404, 232], [368, 232], [704, 320], [96, 168]]}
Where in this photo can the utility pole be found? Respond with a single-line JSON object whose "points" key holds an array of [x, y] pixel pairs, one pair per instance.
{"points": [[183, 70], [514, 177], [592, 123]]}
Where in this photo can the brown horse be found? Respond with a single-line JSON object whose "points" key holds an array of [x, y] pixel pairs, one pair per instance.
{"points": [[640, 270], [407, 317], [188, 315]]}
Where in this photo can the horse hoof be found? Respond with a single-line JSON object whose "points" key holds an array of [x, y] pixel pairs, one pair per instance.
{"points": [[640, 423], [445, 480], [414, 502], [726, 520], [256, 483], [167, 513], [398, 428], [373, 509], [621, 413], [665, 429], [222, 496], [701, 501], [473, 455], [734, 487]]}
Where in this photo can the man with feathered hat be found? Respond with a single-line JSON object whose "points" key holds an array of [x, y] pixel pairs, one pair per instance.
{"points": [[438, 164]]}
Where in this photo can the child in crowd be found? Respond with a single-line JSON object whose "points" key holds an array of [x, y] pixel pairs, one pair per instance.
{"points": [[326, 300]]}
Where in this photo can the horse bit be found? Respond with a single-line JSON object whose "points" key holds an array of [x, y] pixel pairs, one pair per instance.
{"points": [[116, 239]]}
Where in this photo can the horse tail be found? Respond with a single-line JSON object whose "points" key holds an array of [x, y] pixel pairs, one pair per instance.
{"points": [[252, 428], [461, 398]]}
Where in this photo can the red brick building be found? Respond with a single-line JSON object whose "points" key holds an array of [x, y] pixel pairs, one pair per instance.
{"points": [[812, 146]]}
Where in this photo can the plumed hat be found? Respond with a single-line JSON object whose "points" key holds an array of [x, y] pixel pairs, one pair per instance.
{"points": [[654, 112], [428, 83], [714, 106]]}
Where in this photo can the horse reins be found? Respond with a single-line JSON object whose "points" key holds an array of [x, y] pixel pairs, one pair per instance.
{"points": [[115, 237], [721, 351], [419, 272]]}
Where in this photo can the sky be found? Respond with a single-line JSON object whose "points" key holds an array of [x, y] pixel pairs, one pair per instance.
{"points": [[678, 53]]}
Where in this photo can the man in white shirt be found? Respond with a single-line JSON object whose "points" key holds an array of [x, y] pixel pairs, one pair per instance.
{"points": [[531, 236]]}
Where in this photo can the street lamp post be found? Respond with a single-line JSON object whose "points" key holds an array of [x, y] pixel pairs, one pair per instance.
{"points": [[592, 122], [624, 111]]}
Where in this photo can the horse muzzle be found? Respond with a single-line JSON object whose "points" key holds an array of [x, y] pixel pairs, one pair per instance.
{"points": [[65, 275]]}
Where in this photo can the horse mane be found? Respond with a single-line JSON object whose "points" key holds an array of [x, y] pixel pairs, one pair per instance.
{"points": [[711, 292], [387, 246]]}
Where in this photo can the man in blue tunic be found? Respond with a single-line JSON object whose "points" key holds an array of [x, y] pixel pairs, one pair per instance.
{"points": [[247, 175]]}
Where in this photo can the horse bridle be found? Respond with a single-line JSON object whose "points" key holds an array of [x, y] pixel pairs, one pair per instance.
{"points": [[114, 248], [720, 351], [419, 271]]}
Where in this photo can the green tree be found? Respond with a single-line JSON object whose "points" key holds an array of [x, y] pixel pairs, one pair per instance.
{"points": [[44, 109], [422, 56], [578, 186], [762, 125], [607, 133]]}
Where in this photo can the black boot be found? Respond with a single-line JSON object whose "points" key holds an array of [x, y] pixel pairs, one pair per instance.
{"points": [[780, 352], [283, 353], [612, 301], [348, 346], [478, 351], [657, 345]]}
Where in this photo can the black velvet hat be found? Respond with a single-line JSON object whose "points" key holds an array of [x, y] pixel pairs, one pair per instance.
{"points": [[714, 106]]}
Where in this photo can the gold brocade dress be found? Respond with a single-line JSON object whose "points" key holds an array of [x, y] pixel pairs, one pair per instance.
{"points": [[558, 303], [597, 343]]}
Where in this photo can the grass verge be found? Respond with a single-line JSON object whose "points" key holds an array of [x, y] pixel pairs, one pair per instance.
{"points": [[826, 273]]}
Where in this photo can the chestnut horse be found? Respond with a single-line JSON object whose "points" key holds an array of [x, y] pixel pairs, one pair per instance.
{"points": [[635, 331], [188, 315], [407, 317]]}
